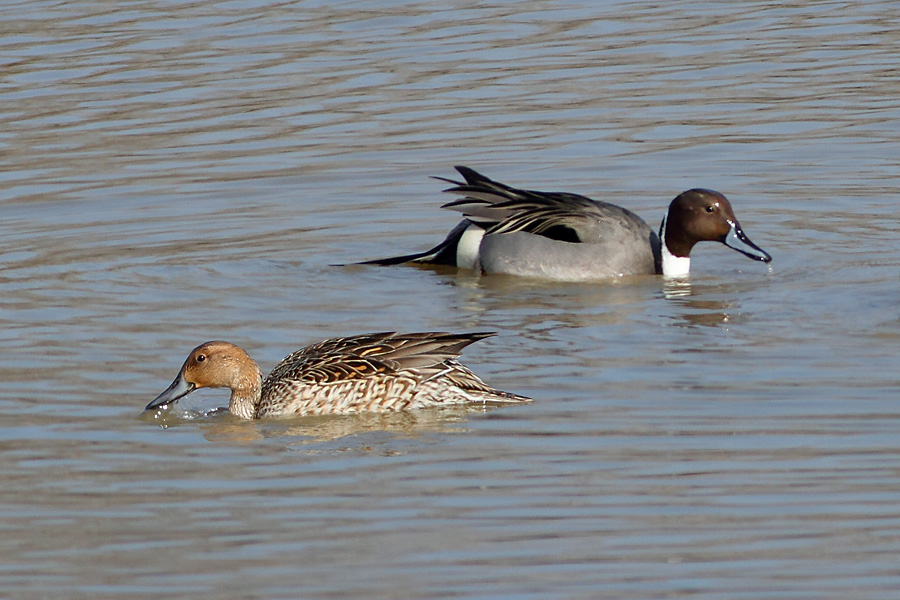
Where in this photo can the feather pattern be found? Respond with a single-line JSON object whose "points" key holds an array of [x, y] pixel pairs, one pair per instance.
{"points": [[377, 371], [568, 237], [373, 372], [560, 216]]}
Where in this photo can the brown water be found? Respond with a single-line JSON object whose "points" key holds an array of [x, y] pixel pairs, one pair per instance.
{"points": [[177, 172]]}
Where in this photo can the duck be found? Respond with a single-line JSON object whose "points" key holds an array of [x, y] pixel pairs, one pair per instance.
{"points": [[373, 372], [568, 237]]}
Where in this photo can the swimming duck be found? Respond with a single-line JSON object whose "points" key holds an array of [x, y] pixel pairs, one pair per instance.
{"points": [[376, 372], [568, 237]]}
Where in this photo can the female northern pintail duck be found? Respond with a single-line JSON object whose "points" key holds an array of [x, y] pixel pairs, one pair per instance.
{"points": [[568, 237], [375, 372]]}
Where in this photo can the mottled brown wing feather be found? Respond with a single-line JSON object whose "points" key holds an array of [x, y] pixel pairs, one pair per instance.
{"points": [[423, 355]]}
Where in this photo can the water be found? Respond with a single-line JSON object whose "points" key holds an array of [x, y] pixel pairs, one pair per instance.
{"points": [[178, 172]]}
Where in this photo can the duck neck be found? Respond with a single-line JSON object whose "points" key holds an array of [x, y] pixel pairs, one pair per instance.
{"points": [[245, 393], [672, 265]]}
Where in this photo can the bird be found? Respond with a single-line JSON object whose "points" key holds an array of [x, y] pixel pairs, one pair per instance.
{"points": [[373, 372], [568, 237]]}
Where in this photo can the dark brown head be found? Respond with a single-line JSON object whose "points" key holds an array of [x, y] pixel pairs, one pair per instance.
{"points": [[700, 215]]}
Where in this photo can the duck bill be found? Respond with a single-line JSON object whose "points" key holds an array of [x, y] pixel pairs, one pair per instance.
{"points": [[738, 240], [179, 389]]}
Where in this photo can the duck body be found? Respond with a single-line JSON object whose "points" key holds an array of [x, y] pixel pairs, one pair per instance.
{"points": [[376, 372], [569, 237], [527, 254]]}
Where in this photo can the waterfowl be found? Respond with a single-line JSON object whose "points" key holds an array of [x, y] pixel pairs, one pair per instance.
{"points": [[568, 237], [375, 372]]}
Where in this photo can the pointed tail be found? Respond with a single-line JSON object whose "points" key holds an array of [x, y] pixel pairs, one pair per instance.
{"points": [[444, 253]]}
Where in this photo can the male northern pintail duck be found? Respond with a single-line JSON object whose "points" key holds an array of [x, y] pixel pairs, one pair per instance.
{"points": [[568, 237], [375, 372]]}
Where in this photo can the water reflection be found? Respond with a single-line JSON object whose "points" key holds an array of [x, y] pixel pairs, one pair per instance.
{"points": [[219, 426], [567, 304], [703, 305], [676, 287]]}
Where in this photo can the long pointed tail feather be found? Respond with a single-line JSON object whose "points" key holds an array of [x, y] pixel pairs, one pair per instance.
{"points": [[481, 191], [442, 254]]}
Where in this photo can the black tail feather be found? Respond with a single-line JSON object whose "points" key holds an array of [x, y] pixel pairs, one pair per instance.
{"points": [[397, 260], [442, 254], [445, 252]]}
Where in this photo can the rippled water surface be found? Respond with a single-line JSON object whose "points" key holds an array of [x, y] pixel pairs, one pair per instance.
{"points": [[174, 172]]}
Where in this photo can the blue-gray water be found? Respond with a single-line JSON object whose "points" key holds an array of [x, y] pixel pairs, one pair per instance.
{"points": [[178, 172]]}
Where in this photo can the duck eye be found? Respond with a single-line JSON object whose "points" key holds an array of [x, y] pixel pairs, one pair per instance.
{"points": [[711, 208], [201, 357]]}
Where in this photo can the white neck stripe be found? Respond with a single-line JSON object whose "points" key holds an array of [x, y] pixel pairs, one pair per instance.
{"points": [[672, 266], [468, 247]]}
